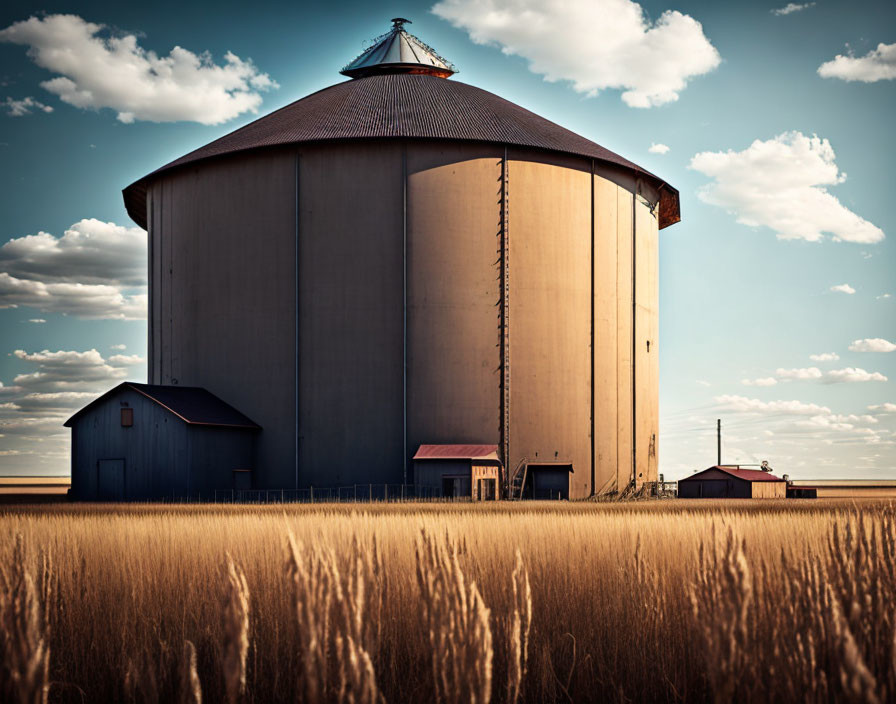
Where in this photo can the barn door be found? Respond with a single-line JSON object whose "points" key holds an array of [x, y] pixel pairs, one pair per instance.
{"points": [[110, 480]]}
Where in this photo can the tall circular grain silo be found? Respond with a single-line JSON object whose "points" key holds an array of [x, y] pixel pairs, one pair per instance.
{"points": [[402, 259]]}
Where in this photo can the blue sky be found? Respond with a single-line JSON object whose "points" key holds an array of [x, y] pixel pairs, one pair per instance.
{"points": [[783, 167]]}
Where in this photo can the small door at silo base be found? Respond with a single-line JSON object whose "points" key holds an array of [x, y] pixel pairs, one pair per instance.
{"points": [[110, 480]]}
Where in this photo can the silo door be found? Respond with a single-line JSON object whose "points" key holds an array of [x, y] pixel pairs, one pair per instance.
{"points": [[110, 480]]}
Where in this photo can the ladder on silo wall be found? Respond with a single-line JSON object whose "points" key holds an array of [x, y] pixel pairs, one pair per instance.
{"points": [[518, 480]]}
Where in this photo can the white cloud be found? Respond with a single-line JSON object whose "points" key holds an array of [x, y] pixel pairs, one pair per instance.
{"points": [[825, 357], [877, 65], [703, 382], [19, 108], [95, 270], [765, 381], [89, 252], [118, 347], [792, 7], [656, 148], [97, 69], [34, 407], [595, 44], [851, 375], [802, 374], [780, 184], [80, 300], [754, 405], [832, 376], [843, 288], [872, 344], [125, 360], [884, 407], [67, 370], [36, 320], [884, 296]]}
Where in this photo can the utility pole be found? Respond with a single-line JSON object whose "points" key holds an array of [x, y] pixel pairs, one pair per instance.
{"points": [[719, 441]]}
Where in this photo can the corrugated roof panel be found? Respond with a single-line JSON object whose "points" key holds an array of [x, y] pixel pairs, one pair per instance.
{"points": [[193, 405], [457, 452]]}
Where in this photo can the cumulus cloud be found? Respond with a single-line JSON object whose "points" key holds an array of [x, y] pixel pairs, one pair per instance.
{"points": [[805, 420], [98, 69], [780, 184], [89, 252], [805, 373], [95, 270], [126, 360], [825, 357], [658, 148], [851, 375], [792, 7], [36, 320], [25, 106], [872, 344], [80, 300], [877, 65], [832, 376], [67, 370], [118, 347], [884, 296], [843, 288], [765, 381], [883, 407], [595, 44], [754, 405], [37, 402]]}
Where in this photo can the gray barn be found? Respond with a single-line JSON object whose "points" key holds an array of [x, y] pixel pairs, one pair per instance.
{"points": [[141, 441]]}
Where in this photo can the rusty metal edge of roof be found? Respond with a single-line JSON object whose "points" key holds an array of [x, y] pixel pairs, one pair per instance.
{"points": [[134, 195], [135, 386]]}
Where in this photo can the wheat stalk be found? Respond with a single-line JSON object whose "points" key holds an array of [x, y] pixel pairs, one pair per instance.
{"points": [[190, 687], [24, 640], [236, 631]]}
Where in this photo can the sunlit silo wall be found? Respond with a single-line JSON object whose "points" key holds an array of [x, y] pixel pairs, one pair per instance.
{"points": [[359, 298]]}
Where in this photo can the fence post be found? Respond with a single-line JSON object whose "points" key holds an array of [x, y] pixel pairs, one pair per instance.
{"points": [[370, 493], [312, 494]]}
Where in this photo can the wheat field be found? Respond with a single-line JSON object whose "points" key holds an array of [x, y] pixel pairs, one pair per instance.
{"points": [[668, 601]]}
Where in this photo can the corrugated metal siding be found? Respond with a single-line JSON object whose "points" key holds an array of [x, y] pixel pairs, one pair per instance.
{"points": [[410, 106], [163, 456]]}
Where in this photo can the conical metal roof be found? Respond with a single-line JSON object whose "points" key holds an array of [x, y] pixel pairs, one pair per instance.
{"points": [[397, 51], [404, 106]]}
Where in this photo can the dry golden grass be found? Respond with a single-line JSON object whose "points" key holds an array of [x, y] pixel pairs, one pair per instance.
{"points": [[649, 601]]}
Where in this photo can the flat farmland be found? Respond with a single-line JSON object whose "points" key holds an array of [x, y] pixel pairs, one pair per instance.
{"points": [[669, 601]]}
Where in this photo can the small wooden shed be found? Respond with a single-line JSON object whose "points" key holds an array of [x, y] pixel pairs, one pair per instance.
{"points": [[732, 482], [457, 471], [144, 442]]}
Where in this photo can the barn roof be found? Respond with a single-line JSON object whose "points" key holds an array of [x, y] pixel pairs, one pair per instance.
{"points": [[193, 405], [457, 452], [404, 106], [750, 475]]}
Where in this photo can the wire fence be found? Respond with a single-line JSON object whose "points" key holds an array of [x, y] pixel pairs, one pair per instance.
{"points": [[356, 493]]}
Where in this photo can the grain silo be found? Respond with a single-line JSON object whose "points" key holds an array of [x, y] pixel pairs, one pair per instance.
{"points": [[402, 259]]}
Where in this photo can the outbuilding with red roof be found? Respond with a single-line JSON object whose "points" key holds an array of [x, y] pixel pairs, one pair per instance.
{"points": [[732, 482]]}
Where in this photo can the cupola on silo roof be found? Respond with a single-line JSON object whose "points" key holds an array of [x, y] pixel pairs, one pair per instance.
{"points": [[398, 51]]}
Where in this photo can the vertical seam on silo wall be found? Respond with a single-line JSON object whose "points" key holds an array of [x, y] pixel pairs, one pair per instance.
{"points": [[505, 310], [150, 352], [634, 388], [593, 254], [404, 294], [296, 323]]}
